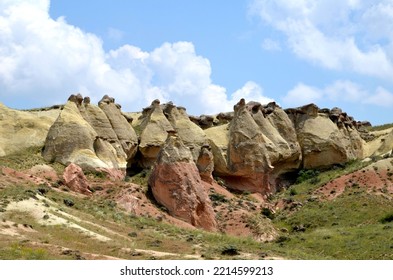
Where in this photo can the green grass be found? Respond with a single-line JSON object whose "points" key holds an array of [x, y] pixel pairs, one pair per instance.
{"points": [[21, 251], [96, 212], [27, 159], [355, 225], [381, 127]]}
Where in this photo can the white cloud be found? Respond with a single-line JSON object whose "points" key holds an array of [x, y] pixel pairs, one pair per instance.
{"points": [[382, 98], [302, 94], [250, 91], [269, 44], [345, 91], [115, 34], [339, 91], [336, 34], [43, 60]]}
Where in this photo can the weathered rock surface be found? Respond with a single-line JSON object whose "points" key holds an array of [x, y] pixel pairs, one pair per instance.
{"points": [[280, 139], [177, 185], [205, 164], [191, 134], [248, 159], [386, 144], [124, 131], [71, 140], [157, 121], [255, 148], [155, 127], [325, 140], [90, 136], [20, 130], [75, 179]]}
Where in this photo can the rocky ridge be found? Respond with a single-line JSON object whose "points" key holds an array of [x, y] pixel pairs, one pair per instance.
{"points": [[255, 149]]}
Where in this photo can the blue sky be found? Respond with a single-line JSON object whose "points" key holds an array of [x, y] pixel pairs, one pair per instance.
{"points": [[204, 55]]}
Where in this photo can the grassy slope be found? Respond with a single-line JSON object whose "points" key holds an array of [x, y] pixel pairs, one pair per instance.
{"points": [[130, 235], [347, 227]]}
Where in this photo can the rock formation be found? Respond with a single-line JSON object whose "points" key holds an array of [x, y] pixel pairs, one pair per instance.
{"points": [[205, 164], [90, 136], [255, 148], [155, 127], [326, 138], [157, 121], [177, 185], [75, 179]]}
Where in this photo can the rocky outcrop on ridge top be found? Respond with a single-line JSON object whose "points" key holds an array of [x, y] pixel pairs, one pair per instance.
{"points": [[91, 136], [255, 148], [252, 148], [326, 137], [159, 120]]}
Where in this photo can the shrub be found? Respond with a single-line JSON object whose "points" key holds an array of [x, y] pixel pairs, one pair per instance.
{"points": [[216, 197], [292, 192], [305, 175], [268, 213], [69, 202], [230, 250], [387, 218]]}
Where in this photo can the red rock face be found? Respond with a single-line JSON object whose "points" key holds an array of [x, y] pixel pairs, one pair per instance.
{"points": [[254, 183], [75, 179], [179, 187]]}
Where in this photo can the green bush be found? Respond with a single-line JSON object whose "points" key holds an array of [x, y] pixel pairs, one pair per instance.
{"points": [[387, 218], [216, 197], [305, 175]]}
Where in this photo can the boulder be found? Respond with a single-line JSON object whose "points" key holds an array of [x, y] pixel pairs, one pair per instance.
{"points": [[218, 138], [203, 121], [176, 184], [107, 146], [75, 179], [224, 118]]}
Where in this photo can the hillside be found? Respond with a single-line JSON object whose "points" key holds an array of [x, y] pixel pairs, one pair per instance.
{"points": [[275, 184]]}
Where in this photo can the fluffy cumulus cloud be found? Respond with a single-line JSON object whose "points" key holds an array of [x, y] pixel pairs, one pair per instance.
{"points": [[349, 35], [43, 60], [339, 91]]}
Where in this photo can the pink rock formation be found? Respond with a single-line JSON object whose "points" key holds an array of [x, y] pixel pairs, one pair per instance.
{"points": [[75, 179], [177, 185]]}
